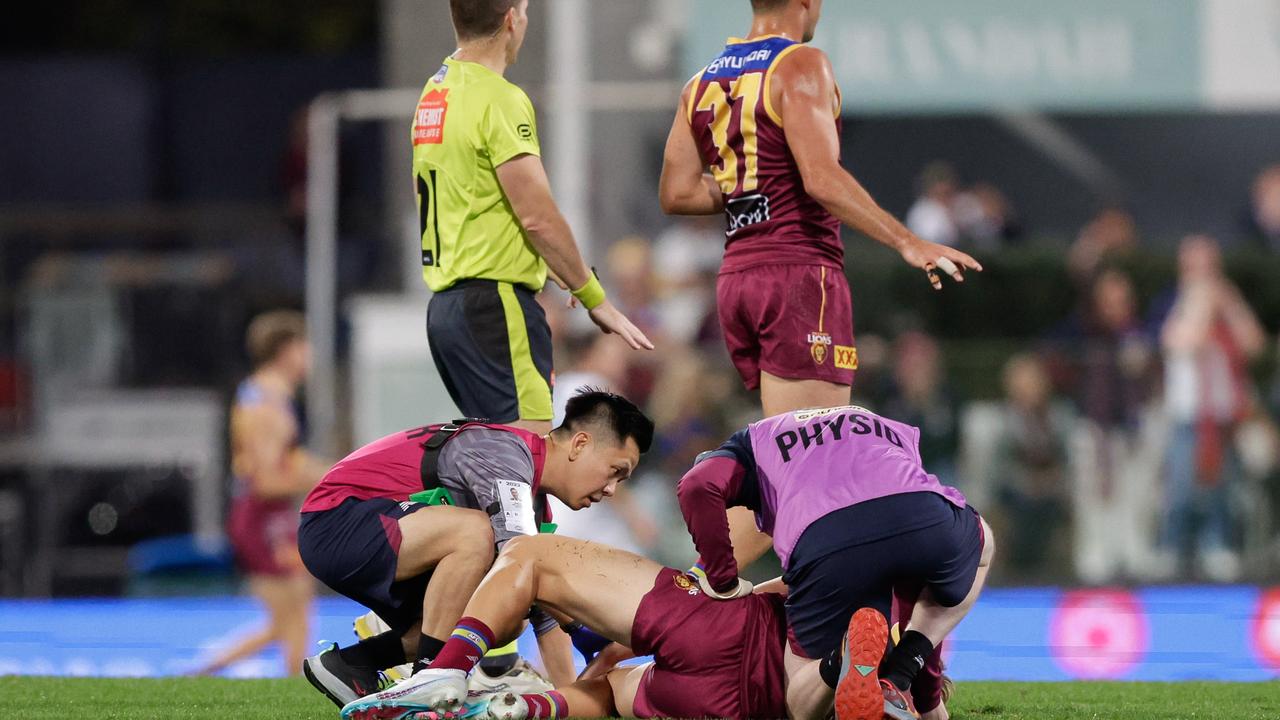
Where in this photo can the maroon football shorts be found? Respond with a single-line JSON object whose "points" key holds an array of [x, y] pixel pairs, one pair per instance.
{"points": [[264, 536], [792, 321], [712, 658]]}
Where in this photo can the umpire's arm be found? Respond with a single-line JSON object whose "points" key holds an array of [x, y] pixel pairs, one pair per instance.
{"points": [[524, 181], [527, 188]]}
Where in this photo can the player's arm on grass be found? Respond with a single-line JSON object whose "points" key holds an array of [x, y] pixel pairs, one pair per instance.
{"points": [[705, 493], [606, 660], [686, 188], [261, 436], [805, 90], [524, 181], [557, 655]]}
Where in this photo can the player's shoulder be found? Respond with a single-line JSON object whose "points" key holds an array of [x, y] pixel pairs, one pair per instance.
{"points": [[252, 400], [503, 91], [692, 83], [737, 447], [801, 60], [250, 393], [739, 442], [492, 446]]}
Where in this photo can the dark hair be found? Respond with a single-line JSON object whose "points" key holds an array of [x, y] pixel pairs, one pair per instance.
{"points": [[604, 411], [766, 5], [270, 332], [479, 18]]}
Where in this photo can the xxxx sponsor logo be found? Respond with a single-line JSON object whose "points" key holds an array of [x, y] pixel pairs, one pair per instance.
{"points": [[846, 357]]}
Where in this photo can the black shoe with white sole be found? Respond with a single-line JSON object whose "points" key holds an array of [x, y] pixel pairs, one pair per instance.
{"points": [[340, 682]]}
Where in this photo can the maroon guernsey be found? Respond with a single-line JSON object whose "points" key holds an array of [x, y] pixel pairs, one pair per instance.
{"points": [[771, 219], [712, 658]]}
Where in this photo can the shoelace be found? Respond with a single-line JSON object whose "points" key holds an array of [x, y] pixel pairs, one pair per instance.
{"points": [[384, 682]]}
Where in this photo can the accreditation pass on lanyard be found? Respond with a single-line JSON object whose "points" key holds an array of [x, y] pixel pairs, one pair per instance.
{"points": [[517, 507]]}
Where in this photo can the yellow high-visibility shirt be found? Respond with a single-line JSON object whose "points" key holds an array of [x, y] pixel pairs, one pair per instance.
{"points": [[469, 121]]}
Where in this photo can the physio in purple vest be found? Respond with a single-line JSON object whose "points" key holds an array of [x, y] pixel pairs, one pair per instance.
{"points": [[853, 515]]}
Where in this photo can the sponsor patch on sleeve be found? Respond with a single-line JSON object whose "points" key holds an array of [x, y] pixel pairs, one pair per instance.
{"points": [[846, 357], [428, 121]]}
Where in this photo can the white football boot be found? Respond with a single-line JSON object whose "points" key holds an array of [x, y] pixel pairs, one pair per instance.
{"points": [[440, 691], [523, 679], [505, 706]]}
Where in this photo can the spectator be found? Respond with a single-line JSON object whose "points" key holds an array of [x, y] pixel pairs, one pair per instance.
{"points": [[875, 371], [921, 398], [1265, 207], [1112, 233], [932, 215], [631, 274], [985, 218], [1208, 338], [629, 267], [690, 252], [1113, 484], [1031, 466], [691, 415]]}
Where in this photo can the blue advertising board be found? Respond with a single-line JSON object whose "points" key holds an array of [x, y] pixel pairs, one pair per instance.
{"points": [[1165, 634]]}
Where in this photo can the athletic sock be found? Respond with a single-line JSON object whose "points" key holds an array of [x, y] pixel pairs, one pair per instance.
{"points": [[829, 668], [470, 640], [546, 706], [902, 665], [428, 649], [378, 652]]}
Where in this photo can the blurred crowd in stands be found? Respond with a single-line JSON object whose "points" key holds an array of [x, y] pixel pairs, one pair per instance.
{"points": [[1133, 441], [1111, 406]]}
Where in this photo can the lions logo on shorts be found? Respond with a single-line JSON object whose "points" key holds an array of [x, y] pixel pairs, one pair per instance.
{"points": [[818, 344], [684, 583]]}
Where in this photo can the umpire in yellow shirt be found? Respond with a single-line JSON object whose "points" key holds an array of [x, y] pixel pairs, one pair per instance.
{"points": [[490, 228]]}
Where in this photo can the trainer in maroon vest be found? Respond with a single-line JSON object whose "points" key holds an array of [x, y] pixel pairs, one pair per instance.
{"points": [[409, 524]]}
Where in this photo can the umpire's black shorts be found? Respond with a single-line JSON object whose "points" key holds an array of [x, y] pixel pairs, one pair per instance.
{"points": [[491, 343]]}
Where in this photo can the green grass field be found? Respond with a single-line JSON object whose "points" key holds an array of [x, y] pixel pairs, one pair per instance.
{"points": [[217, 699]]}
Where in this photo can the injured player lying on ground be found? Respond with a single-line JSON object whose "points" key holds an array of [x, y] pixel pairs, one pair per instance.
{"points": [[714, 655]]}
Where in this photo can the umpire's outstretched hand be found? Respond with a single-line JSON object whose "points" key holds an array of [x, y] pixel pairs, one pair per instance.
{"points": [[610, 320]]}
